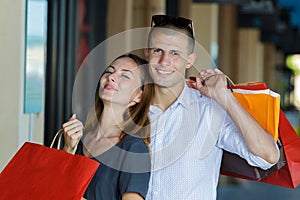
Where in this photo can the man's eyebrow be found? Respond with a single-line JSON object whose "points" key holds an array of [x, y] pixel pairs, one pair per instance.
{"points": [[171, 50], [177, 51]]}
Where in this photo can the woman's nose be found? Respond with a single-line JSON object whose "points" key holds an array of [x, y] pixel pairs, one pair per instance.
{"points": [[112, 77]]}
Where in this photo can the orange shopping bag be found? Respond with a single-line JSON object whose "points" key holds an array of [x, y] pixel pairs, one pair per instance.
{"points": [[39, 172], [259, 101], [263, 106]]}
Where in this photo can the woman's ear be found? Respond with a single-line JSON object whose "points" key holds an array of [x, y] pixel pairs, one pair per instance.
{"points": [[137, 99]]}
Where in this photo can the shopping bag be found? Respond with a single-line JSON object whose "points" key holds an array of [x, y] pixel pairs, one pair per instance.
{"points": [[288, 175], [264, 106], [235, 166], [259, 101], [39, 172], [286, 172]]}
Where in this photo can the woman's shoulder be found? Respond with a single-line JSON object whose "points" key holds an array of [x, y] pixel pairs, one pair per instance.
{"points": [[133, 144]]}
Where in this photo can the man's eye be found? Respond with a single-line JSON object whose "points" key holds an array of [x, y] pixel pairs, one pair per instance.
{"points": [[156, 51], [174, 53]]}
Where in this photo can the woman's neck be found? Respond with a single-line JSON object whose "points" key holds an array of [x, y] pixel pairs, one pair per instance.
{"points": [[108, 133], [111, 118]]}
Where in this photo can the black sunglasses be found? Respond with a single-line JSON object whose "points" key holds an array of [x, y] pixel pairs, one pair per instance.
{"points": [[179, 22]]}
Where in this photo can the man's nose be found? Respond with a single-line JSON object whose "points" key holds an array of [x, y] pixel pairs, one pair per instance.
{"points": [[165, 59]]}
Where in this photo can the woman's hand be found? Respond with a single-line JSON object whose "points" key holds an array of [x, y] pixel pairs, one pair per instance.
{"points": [[73, 131]]}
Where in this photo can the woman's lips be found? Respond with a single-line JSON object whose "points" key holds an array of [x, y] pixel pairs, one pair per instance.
{"points": [[109, 87]]}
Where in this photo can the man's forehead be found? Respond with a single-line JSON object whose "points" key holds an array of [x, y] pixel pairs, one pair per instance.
{"points": [[167, 32], [173, 41]]}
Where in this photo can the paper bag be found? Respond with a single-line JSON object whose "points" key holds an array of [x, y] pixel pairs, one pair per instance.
{"points": [[39, 172]]}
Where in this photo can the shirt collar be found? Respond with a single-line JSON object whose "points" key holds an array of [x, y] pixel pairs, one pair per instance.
{"points": [[184, 99]]}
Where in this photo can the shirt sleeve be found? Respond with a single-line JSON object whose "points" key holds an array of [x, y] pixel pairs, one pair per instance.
{"points": [[231, 140], [132, 181]]}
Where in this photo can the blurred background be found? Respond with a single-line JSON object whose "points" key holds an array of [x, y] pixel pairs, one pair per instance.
{"points": [[44, 43]]}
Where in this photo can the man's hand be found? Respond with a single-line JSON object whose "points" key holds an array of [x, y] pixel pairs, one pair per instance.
{"points": [[213, 84]]}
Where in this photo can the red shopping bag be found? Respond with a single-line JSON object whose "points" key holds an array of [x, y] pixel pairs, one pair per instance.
{"points": [[288, 175], [286, 172], [39, 172]]}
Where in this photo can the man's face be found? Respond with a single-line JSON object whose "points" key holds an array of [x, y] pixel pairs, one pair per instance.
{"points": [[168, 58]]}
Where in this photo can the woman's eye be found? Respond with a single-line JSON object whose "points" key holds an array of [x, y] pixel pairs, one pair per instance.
{"points": [[126, 76], [108, 72]]}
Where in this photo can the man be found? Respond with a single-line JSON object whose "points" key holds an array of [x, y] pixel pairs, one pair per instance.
{"points": [[190, 128]]}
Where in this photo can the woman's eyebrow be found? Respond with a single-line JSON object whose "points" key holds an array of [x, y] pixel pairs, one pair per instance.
{"points": [[124, 70], [110, 66], [127, 70]]}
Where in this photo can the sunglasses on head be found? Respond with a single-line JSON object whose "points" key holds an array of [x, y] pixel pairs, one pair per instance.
{"points": [[179, 22]]}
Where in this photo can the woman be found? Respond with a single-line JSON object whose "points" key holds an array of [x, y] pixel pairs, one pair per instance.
{"points": [[117, 132]]}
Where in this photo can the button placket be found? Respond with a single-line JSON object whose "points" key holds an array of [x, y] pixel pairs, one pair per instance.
{"points": [[159, 135]]}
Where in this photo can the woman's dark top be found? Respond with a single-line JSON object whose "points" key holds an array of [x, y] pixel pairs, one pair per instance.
{"points": [[123, 168]]}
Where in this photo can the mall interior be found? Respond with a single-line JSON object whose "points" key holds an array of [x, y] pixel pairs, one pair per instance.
{"points": [[44, 43]]}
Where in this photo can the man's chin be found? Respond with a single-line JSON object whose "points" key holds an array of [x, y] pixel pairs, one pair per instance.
{"points": [[162, 84]]}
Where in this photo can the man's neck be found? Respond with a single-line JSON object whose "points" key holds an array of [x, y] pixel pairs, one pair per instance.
{"points": [[165, 97]]}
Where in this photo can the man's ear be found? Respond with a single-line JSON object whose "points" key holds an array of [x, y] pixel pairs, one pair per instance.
{"points": [[146, 53], [190, 60]]}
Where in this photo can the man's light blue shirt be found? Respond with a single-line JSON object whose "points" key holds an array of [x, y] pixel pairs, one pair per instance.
{"points": [[186, 144]]}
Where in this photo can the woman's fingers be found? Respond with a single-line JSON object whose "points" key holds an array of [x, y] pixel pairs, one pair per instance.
{"points": [[73, 129], [74, 126]]}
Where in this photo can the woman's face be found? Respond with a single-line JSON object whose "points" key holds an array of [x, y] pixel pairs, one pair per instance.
{"points": [[121, 82]]}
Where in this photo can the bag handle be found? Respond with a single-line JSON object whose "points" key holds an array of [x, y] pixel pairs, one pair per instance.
{"points": [[230, 83], [59, 134]]}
